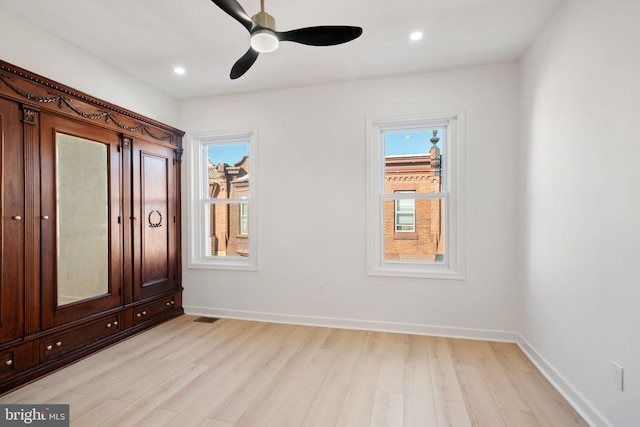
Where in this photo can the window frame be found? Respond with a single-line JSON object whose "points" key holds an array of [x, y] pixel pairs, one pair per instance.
{"points": [[453, 194], [198, 200]]}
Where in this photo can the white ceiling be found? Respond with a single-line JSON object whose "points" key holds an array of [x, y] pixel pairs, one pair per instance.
{"points": [[148, 38]]}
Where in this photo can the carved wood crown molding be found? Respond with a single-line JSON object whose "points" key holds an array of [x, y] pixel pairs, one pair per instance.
{"points": [[107, 112]]}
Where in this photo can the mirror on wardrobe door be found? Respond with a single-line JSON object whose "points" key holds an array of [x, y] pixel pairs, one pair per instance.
{"points": [[82, 188]]}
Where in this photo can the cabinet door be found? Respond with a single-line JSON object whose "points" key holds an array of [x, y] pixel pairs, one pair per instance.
{"points": [[12, 222], [81, 238], [154, 225]]}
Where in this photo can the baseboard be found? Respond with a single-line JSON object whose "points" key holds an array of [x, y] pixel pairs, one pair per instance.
{"points": [[576, 399], [369, 325]]}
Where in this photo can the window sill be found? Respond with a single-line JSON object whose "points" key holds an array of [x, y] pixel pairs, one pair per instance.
{"points": [[417, 271], [239, 263], [405, 236]]}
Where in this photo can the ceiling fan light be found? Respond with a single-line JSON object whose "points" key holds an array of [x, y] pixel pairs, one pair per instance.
{"points": [[416, 35], [264, 41]]}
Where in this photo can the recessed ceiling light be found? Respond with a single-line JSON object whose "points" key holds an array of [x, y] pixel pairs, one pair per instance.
{"points": [[179, 70], [416, 35]]}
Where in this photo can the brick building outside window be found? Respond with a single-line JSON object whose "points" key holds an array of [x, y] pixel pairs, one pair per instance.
{"points": [[413, 227], [228, 222]]}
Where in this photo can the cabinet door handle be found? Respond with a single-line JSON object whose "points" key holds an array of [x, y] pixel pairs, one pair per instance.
{"points": [[45, 217], [9, 362], [16, 218]]}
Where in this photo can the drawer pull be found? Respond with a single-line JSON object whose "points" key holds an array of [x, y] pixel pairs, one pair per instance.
{"points": [[58, 344], [115, 323], [45, 217], [169, 304], [112, 324], [144, 313], [108, 325], [16, 218], [9, 362]]}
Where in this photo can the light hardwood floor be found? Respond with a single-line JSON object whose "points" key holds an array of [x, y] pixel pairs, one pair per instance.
{"points": [[240, 373]]}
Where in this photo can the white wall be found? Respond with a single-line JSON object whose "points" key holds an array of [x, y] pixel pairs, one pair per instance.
{"points": [[575, 192], [312, 205], [29, 47], [580, 202]]}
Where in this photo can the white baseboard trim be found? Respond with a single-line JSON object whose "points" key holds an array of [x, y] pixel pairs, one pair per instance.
{"points": [[369, 325], [576, 399]]}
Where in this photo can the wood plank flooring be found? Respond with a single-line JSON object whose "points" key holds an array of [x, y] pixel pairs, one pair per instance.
{"points": [[240, 373]]}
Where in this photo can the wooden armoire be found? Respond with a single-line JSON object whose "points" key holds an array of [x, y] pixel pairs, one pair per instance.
{"points": [[89, 224]]}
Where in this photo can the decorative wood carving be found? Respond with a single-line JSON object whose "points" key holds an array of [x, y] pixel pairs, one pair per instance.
{"points": [[126, 142], [177, 156], [24, 86], [29, 115]]}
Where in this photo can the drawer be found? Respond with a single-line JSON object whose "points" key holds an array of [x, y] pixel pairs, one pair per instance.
{"points": [[58, 345], [7, 363], [146, 312]]}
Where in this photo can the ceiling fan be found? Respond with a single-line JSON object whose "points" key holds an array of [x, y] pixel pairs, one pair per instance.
{"points": [[265, 38]]}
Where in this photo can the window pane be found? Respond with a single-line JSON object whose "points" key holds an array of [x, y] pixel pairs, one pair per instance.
{"points": [[422, 239], [413, 158], [405, 213], [244, 218], [225, 237], [228, 171], [405, 205]]}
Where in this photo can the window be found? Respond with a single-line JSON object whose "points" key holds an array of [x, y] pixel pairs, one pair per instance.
{"points": [[415, 197], [244, 219], [405, 217], [222, 196]]}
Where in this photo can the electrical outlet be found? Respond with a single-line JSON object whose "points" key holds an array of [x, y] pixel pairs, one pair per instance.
{"points": [[618, 376]]}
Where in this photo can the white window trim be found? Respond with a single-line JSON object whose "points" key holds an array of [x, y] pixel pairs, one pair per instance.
{"points": [[197, 161], [453, 154]]}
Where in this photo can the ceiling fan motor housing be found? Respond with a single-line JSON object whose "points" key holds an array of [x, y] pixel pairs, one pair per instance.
{"points": [[265, 38], [264, 20]]}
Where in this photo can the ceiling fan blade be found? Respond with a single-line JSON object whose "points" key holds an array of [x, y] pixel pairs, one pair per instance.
{"points": [[243, 64], [233, 9], [327, 35]]}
